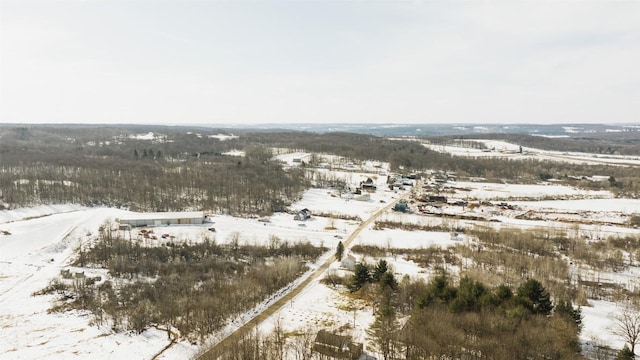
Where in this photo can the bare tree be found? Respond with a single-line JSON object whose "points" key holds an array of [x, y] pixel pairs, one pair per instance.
{"points": [[627, 325], [278, 338], [302, 343]]}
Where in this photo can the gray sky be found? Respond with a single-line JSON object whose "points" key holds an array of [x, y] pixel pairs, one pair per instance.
{"points": [[250, 62]]}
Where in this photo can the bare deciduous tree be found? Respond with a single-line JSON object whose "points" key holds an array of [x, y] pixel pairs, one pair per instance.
{"points": [[627, 325]]}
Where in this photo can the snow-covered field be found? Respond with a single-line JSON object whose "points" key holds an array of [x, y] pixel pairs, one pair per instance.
{"points": [[495, 191], [628, 206], [43, 239], [37, 249], [503, 149]]}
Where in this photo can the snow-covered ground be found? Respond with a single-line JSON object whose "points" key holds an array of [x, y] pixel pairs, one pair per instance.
{"points": [[503, 149], [43, 239], [495, 191], [628, 206], [37, 249], [599, 321]]}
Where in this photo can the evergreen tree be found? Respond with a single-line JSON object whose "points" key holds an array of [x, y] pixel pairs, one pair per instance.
{"points": [[503, 293], [339, 251], [386, 327], [381, 268], [625, 354], [565, 309], [534, 297], [468, 296], [438, 290], [360, 277], [387, 280]]}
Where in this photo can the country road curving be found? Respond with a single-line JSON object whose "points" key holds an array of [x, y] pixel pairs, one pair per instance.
{"points": [[218, 348]]}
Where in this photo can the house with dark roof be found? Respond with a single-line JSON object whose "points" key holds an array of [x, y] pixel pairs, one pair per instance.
{"points": [[302, 215], [368, 185], [333, 346]]}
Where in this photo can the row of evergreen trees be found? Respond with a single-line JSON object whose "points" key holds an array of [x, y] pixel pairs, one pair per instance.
{"points": [[466, 320]]}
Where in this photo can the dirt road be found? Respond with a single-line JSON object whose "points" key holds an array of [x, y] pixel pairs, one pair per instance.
{"points": [[217, 349]]}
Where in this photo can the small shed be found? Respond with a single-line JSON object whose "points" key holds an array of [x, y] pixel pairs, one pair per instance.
{"points": [[302, 215], [336, 346], [401, 206], [348, 262], [162, 218]]}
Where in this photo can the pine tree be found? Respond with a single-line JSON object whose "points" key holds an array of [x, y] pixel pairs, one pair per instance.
{"points": [[385, 328], [387, 280], [361, 276], [625, 353], [534, 297], [565, 308], [469, 295], [381, 268], [339, 251], [439, 290]]}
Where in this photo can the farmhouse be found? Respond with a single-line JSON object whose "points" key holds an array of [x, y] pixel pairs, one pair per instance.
{"points": [[368, 185], [162, 218], [335, 346]]}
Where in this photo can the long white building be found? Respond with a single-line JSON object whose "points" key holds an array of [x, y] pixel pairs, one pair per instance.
{"points": [[163, 218]]}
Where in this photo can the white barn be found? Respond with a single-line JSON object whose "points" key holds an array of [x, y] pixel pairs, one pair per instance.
{"points": [[163, 218]]}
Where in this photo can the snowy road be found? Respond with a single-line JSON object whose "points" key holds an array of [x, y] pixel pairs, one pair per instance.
{"points": [[252, 323]]}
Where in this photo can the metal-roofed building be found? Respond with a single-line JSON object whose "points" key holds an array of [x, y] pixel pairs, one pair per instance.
{"points": [[162, 218]]}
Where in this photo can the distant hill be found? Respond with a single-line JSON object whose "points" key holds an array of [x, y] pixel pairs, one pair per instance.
{"points": [[555, 130]]}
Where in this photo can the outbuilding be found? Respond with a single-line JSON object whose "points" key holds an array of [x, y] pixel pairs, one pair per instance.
{"points": [[348, 262], [162, 218], [330, 345], [302, 215]]}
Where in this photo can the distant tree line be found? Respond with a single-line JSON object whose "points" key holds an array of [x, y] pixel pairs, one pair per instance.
{"points": [[411, 156], [185, 169], [180, 171], [616, 143]]}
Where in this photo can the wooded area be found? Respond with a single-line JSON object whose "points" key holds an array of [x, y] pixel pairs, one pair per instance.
{"points": [[178, 169], [195, 287], [107, 166]]}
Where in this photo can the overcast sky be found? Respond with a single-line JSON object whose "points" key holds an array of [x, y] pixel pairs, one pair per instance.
{"points": [[250, 62]]}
